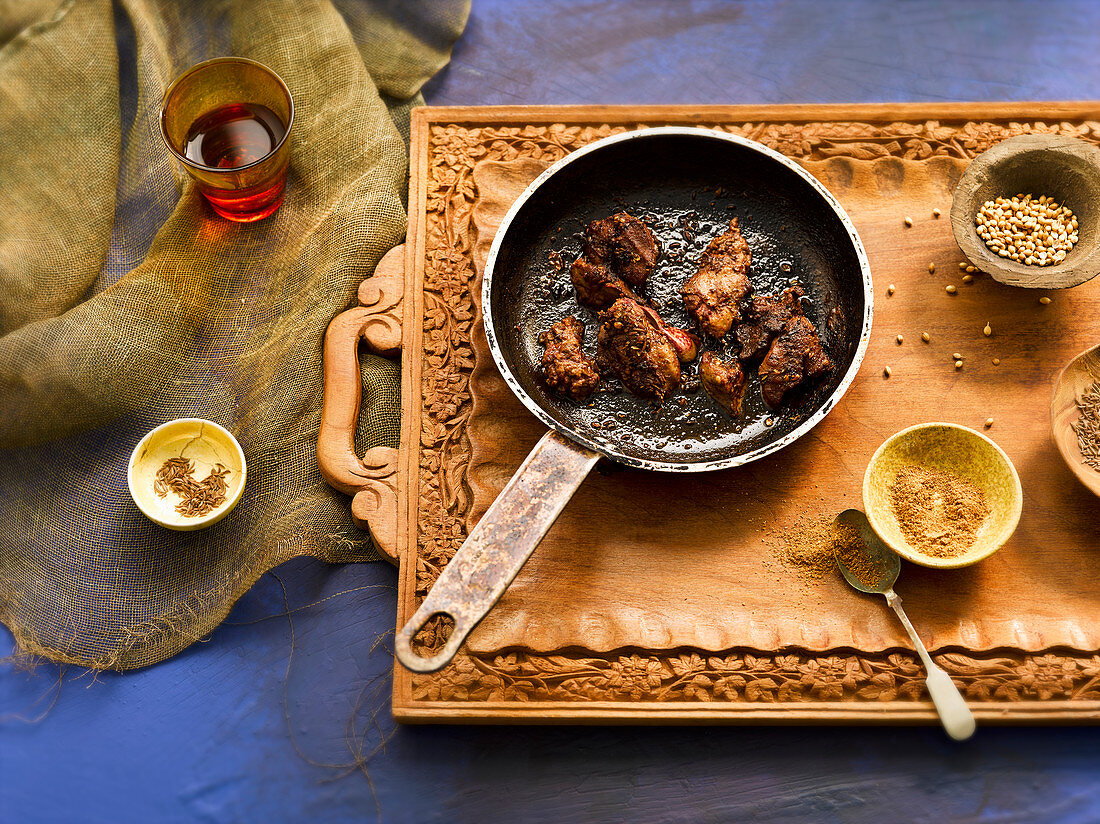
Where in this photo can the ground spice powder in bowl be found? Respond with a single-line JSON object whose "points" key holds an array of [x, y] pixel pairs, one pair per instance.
{"points": [[942, 495], [938, 512]]}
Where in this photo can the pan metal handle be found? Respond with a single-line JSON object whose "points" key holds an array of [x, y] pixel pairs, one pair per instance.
{"points": [[498, 546]]}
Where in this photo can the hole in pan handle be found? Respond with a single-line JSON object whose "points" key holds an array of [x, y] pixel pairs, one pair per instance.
{"points": [[498, 546]]}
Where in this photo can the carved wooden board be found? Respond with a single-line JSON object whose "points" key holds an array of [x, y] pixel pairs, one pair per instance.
{"points": [[657, 598]]}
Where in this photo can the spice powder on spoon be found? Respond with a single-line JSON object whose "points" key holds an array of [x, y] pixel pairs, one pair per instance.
{"points": [[852, 553], [939, 513]]}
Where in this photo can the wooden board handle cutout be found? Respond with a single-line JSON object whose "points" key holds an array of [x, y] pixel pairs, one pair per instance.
{"points": [[372, 479]]}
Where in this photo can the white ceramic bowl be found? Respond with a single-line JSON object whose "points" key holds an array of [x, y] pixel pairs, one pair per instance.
{"points": [[203, 442]]}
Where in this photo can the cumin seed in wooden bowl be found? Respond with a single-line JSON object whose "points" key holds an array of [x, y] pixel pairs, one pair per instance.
{"points": [[1073, 382]]}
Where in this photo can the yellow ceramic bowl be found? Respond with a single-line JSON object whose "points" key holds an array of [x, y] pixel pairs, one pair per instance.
{"points": [[951, 448], [205, 443]]}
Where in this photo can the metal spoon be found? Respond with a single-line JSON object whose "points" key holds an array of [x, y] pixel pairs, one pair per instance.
{"points": [[954, 714]]}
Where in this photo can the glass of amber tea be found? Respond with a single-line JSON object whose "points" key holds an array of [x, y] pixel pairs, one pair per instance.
{"points": [[227, 121]]}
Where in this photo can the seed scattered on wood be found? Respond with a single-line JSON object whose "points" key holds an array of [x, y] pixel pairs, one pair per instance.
{"points": [[1031, 230], [996, 361], [908, 221], [968, 278], [886, 372], [935, 213], [924, 336], [962, 265], [931, 268], [956, 356], [951, 289], [958, 364], [988, 423], [971, 269], [890, 289], [1044, 300], [988, 330], [900, 339]]}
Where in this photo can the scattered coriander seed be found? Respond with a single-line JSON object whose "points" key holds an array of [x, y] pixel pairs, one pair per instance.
{"points": [[988, 330], [900, 339], [908, 221], [988, 423], [958, 364], [924, 336], [1044, 300], [886, 372], [951, 289], [971, 269], [890, 289], [968, 278], [1031, 230], [996, 361], [931, 268], [962, 265], [956, 356], [935, 213]]}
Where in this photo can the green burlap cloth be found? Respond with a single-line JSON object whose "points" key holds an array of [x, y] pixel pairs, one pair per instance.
{"points": [[125, 302]]}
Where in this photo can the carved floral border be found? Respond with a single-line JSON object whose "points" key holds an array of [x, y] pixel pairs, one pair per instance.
{"points": [[668, 675]]}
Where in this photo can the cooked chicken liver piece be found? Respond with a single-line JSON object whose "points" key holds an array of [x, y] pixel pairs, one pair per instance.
{"points": [[597, 287], [763, 317], [724, 381], [624, 245], [714, 293], [795, 356], [565, 366], [630, 346]]}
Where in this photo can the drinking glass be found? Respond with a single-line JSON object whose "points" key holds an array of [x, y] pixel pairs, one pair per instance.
{"points": [[227, 121]]}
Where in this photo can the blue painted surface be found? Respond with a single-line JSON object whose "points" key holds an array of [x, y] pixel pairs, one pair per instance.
{"points": [[238, 729]]}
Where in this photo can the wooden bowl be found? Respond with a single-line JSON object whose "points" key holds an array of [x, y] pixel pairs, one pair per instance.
{"points": [[1078, 375], [1064, 168], [952, 448], [206, 444]]}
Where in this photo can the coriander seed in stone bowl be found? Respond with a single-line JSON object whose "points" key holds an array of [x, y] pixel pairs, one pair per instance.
{"points": [[1063, 170]]}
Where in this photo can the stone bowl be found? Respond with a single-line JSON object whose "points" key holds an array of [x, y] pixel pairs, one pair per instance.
{"points": [[205, 443], [1064, 168], [951, 448], [1078, 375]]}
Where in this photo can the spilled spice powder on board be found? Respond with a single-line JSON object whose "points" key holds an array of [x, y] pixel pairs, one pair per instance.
{"points": [[810, 547], [806, 546], [938, 512]]}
